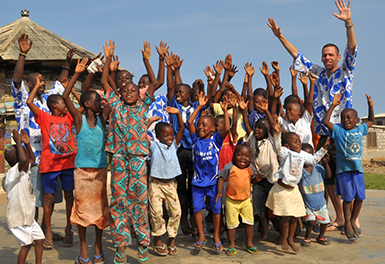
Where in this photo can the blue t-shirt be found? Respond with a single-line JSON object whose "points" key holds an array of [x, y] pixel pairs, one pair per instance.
{"points": [[312, 187], [205, 157], [349, 147], [164, 162]]}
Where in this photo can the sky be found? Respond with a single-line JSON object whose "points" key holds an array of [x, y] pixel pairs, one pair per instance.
{"points": [[202, 32]]}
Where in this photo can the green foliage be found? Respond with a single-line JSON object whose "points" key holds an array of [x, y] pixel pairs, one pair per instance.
{"points": [[374, 181]]}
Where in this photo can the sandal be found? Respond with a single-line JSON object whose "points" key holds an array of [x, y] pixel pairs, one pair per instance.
{"points": [[306, 242], [141, 252], [323, 241], [200, 245], [163, 247], [352, 236], [218, 247], [84, 261], [56, 236], [47, 244], [68, 240], [358, 232], [231, 251], [195, 234], [172, 251], [252, 250], [120, 258], [99, 259]]}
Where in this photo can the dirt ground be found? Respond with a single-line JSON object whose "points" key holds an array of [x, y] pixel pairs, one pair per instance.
{"points": [[374, 166]]}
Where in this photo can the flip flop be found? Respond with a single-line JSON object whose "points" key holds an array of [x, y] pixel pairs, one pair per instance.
{"points": [[68, 240], [86, 261], [120, 258], [47, 244], [200, 245], [171, 249], [306, 242], [163, 247], [323, 241], [217, 247], [334, 227], [358, 232], [96, 259], [141, 252], [353, 236], [56, 236], [231, 252], [252, 250]]}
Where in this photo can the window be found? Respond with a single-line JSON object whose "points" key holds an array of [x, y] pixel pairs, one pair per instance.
{"points": [[371, 139]]}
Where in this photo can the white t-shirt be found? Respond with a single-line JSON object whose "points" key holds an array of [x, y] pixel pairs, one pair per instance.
{"points": [[302, 127]]}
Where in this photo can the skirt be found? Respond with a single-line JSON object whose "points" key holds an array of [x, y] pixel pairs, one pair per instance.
{"points": [[285, 202], [90, 203]]}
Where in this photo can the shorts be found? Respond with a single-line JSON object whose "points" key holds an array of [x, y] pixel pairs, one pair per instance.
{"points": [[234, 209], [199, 194], [333, 159], [25, 235], [260, 192], [66, 178], [37, 183], [350, 185], [320, 216]]}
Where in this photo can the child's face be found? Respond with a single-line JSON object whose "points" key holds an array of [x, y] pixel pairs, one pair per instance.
{"points": [[144, 82], [61, 107], [349, 118], [308, 150], [195, 95], [257, 100], [294, 143], [123, 78], [166, 135], [205, 127], [182, 94], [219, 124], [129, 94], [228, 94], [290, 99], [242, 157], [260, 130], [293, 112], [95, 103]]}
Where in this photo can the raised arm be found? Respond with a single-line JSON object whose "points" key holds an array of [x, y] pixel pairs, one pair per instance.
{"points": [[233, 128], [233, 70], [294, 90], [170, 78], [269, 88], [310, 96], [67, 64], [209, 74], [293, 51], [23, 159], [218, 68], [146, 52], [19, 68], [264, 106], [87, 84], [177, 64], [179, 134], [243, 106], [303, 78], [162, 51], [109, 52], [346, 16], [31, 156], [249, 68], [224, 105], [278, 91], [371, 120], [32, 94], [114, 67], [190, 122], [336, 101]]}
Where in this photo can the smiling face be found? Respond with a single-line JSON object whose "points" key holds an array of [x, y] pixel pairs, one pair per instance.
{"points": [[293, 112], [129, 93], [261, 129], [330, 58], [349, 118], [257, 101], [32, 80], [205, 127], [182, 94], [122, 78], [144, 82], [61, 107], [293, 142], [166, 135], [242, 156], [95, 103]]}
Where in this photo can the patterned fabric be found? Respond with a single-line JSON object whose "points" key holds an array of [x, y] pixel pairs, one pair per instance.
{"points": [[320, 216], [128, 126], [129, 199], [254, 116], [312, 187], [166, 193], [340, 81], [25, 118], [157, 109]]}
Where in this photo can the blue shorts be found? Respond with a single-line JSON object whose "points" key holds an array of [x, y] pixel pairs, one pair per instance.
{"points": [[199, 194], [350, 185], [66, 178]]}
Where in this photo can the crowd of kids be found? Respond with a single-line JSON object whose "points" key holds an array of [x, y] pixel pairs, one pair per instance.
{"points": [[246, 157]]}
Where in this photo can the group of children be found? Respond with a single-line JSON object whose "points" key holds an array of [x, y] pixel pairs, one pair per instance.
{"points": [[241, 156]]}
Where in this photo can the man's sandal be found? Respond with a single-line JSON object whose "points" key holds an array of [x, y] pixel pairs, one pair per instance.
{"points": [[99, 259], [84, 261], [164, 251], [352, 236], [218, 247], [172, 251], [358, 232], [68, 240], [200, 245]]}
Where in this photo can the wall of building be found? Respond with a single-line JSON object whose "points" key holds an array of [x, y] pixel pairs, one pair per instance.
{"points": [[374, 152]]}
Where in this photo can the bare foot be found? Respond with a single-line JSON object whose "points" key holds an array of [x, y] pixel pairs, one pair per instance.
{"points": [[284, 245], [293, 246]]}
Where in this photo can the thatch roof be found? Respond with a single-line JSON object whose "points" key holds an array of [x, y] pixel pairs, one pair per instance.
{"points": [[47, 46]]}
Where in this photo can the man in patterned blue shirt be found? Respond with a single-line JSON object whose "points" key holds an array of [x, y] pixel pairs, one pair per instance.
{"points": [[332, 79], [25, 118]]}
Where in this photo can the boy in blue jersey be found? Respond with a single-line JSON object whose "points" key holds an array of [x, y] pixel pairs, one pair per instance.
{"points": [[206, 147], [350, 175]]}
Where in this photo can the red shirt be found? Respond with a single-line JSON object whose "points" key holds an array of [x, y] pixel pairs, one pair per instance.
{"points": [[227, 152], [58, 151]]}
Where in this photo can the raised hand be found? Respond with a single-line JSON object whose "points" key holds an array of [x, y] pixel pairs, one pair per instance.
{"points": [[312, 77], [224, 103], [345, 14], [249, 68], [64, 82], [218, 67], [370, 101], [325, 159], [202, 99], [81, 66], [162, 51], [292, 71], [278, 92], [154, 119], [303, 78], [228, 62], [274, 79], [24, 137], [264, 105], [171, 110], [70, 53], [109, 49], [265, 69], [275, 66], [276, 30], [146, 52], [277, 127], [169, 59], [114, 66], [177, 62], [16, 136], [336, 99], [327, 143], [23, 43], [233, 71], [233, 100], [242, 104], [39, 81]]}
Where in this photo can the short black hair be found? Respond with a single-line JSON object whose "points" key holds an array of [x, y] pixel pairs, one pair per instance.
{"points": [[307, 146], [186, 86], [260, 91], [331, 45], [53, 99], [86, 96], [240, 145], [223, 117], [10, 155], [290, 99], [301, 107], [159, 126], [285, 137], [350, 109], [121, 71], [212, 119]]}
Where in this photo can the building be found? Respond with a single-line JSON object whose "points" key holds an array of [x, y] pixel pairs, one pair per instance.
{"points": [[374, 141]]}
